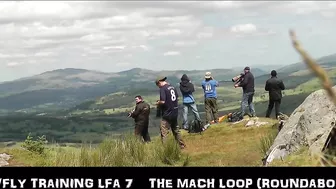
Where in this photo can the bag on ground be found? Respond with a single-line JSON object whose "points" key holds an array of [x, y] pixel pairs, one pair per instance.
{"points": [[235, 116], [195, 126]]}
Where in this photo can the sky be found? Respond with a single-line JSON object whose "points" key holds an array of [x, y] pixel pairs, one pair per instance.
{"points": [[114, 36]]}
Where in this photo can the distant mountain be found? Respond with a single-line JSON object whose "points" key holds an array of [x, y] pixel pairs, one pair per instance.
{"points": [[262, 67], [65, 88], [326, 62], [56, 79]]}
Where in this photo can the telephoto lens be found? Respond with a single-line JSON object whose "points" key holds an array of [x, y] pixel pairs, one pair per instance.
{"points": [[158, 111]]}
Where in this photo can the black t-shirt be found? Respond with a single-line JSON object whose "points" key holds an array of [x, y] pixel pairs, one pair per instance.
{"points": [[169, 94]]}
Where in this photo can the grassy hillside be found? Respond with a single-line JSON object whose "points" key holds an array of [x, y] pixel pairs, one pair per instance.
{"points": [[66, 88], [299, 84], [93, 120], [325, 62], [95, 111], [224, 144]]}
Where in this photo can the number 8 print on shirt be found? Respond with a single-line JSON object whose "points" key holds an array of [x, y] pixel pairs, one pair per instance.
{"points": [[172, 95]]}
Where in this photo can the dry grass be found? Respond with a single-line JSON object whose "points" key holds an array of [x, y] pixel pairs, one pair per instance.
{"points": [[224, 144], [302, 158], [227, 145]]}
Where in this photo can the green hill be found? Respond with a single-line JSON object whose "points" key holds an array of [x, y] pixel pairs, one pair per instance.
{"points": [[95, 111], [66, 88]]}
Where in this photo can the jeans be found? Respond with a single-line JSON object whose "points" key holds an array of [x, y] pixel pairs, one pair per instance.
{"points": [[186, 108], [247, 100]]}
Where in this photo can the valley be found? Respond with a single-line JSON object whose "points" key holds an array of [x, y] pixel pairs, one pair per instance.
{"points": [[76, 105]]}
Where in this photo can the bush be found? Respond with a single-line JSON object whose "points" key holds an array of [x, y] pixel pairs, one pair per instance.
{"points": [[35, 146]]}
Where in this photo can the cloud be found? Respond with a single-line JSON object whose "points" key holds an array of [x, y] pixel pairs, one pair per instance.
{"points": [[244, 28], [113, 36], [11, 64], [114, 47], [184, 43], [12, 56], [122, 64], [171, 53], [29, 11], [45, 54]]}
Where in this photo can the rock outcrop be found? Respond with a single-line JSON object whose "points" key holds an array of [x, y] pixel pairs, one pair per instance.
{"points": [[255, 122], [309, 125], [4, 159]]}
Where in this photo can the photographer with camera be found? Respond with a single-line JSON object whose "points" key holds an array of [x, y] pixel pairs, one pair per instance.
{"points": [[237, 79], [187, 89], [209, 85], [140, 114], [247, 83]]}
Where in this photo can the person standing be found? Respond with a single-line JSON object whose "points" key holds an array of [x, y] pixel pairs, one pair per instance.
{"points": [[209, 85], [274, 86], [247, 84], [169, 104], [187, 88], [140, 114]]}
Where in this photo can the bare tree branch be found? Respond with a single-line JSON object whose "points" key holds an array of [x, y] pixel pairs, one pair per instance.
{"points": [[317, 70]]}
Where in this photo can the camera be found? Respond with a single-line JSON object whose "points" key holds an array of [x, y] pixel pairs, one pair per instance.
{"points": [[159, 111], [237, 79], [130, 113]]}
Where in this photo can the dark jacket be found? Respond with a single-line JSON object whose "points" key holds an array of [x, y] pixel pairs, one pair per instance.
{"points": [[274, 86], [187, 88], [247, 83], [141, 113]]}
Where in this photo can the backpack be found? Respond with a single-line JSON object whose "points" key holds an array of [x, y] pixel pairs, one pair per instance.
{"points": [[195, 126], [235, 116]]}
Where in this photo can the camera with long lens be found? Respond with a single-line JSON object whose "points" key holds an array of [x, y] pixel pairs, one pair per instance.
{"points": [[159, 111], [130, 113], [238, 79]]}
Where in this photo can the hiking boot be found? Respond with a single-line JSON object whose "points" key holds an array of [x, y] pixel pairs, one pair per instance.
{"points": [[251, 115]]}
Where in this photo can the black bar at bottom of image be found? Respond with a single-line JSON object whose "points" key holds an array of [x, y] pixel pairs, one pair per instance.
{"points": [[167, 177]]}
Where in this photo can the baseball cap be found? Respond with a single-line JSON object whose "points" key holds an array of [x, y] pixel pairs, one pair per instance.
{"points": [[160, 78]]}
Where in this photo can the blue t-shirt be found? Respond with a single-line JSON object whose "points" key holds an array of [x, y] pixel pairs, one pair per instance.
{"points": [[169, 94], [209, 88]]}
